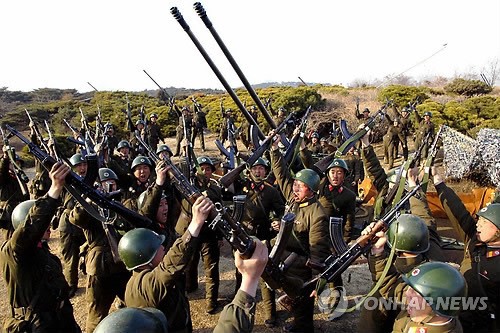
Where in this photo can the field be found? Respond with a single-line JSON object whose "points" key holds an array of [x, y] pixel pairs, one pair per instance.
{"points": [[356, 279]]}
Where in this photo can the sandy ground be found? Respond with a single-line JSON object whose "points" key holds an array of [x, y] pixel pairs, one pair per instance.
{"points": [[356, 278]]}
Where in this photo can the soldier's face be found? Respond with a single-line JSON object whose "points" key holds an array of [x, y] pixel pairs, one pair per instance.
{"points": [[301, 192], [162, 212], [142, 173], [46, 235], [81, 169], [258, 171], [336, 176], [124, 152], [416, 305], [486, 231], [314, 140], [207, 170], [427, 118]]}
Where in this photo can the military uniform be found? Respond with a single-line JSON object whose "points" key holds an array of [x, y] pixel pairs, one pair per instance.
{"points": [[207, 247], [179, 136], [406, 130], [404, 324], [480, 266], [424, 128], [356, 171], [377, 176], [40, 184], [122, 169], [162, 288], [200, 123], [238, 316], [309, 239], [105, 278], [154, 135], [34, 275], [10, 196], [227, 122]]}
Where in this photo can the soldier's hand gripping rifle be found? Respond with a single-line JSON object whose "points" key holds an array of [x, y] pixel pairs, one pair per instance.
{"points": [[293, 149], [178, 16], [38, 135], [433, 150], [21, 177], [51, 143], [231, 176], [81, 190], [336, 264], [218, 218]]}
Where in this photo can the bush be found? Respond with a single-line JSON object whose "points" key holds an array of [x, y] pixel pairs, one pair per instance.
{"points": [[468, 88]]}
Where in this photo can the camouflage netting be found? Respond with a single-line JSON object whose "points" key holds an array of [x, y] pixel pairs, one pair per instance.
{"points": [[478, 159]]}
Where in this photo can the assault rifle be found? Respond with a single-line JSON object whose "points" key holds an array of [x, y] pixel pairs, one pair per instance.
{"points": [[218, 218], [178, 16], [81, 190], [165, 96], [21, 177], [430, 159], [293, 149], [336, 263], [38, 135], [231, 176], [86, 127], [128, 114]]}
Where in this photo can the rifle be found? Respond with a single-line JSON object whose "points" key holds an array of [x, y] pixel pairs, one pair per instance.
{"points": [[167, 98], [81, 190], [38, 135], [321, 165], [51, 144], [21, 177], [231, 176], [336, 264], [86, 127], [128, 114], [293, 149], [219, 217], [92, 86], [178, 16], [75, 132], [430, 160], [336, 235], [142, 114], [397, 190]]}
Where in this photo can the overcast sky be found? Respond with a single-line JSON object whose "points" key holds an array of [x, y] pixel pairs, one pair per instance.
{"points": [[67, 43]]}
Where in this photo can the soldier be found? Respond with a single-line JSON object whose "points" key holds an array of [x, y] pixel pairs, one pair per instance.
{"points": [[356, 171], [184, 118], [433, 289], [155, 280], [425, 126], [72, 237], [141, 177], [391, 140], [227, 125], [120, 163], [314, 146], [111, 138], [326, 147], [154, 131], [406, 129], [481, 263], [263, 205], [209, 240], [41, 182], [140, 130], [199, 124], [310, 228], [37, 290], [245, 127], [364, 116], [10, 193]]}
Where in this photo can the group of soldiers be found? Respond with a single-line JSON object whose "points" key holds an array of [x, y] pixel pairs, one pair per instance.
{"points": [[150, 259]]}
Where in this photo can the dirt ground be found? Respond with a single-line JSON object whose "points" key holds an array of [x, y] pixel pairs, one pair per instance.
{"points": [[356, 278]]}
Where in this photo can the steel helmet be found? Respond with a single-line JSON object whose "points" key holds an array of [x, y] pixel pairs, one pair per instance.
{"points": [[20, 212], [132, 320], [440, 284], [206, 160], [106, 174], [308, 177], [315, 135], [413, 234], [153, 115], [77, 159], [428, 113], [140, 122], [491, 213], [138, 247], [366, 110], [261, 161], [338, 163], [164, 148], [139, 160], [123, 144]]}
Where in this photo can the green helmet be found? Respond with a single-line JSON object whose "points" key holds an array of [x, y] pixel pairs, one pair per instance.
{"points": [[315, 135], [338, 163], [138, 247], [77, 159], [106, 174], [428, 113], [262, 162], [308, 177], [123, 144], [20, 212], [366, 110], [406, 109], [140, 122], [132, 320], [153, 115], [491, 213], [413, 234], [206, 160], [440, 284], [164, 148], [140, 160]]}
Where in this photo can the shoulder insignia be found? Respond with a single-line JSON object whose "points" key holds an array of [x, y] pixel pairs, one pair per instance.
{"points": [[304, 204], [492, 253], [417, 330]]}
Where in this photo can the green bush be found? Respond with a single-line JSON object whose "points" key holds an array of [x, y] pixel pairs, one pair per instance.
{"points": [[468, 88], [403, 95]]}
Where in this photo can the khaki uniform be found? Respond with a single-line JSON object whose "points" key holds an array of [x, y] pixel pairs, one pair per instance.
{"points": [[404, 324], [10, 196], [40, 184], [238, 316], [31, 271], [199, 123], [356, 171], [309, 238], [122, 169], [424, 128], [207, 247], [154, 135], [105, 278], [161, 287], [377, 176], [480, 267], [180, 133]]}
